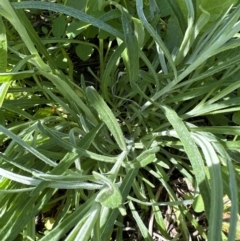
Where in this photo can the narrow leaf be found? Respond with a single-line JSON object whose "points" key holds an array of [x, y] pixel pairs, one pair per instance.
{"points": [[192, 152], [107, 116], [5, 77]]}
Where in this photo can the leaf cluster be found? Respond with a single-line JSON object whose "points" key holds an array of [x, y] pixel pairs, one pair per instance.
{"points": [[106, 106]]}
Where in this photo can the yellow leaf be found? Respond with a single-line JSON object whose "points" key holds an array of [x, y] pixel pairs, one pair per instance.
{"points": [[48, 223]]}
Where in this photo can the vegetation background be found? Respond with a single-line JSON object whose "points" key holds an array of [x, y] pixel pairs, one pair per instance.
{"points": [[119, 120]]}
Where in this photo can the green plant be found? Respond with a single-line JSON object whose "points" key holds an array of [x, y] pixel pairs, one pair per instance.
{"points": [[84, 146]]}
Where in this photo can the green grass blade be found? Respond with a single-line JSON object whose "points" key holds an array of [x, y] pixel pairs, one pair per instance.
{"points": [[155, 36], [8, 12], [107, 116], [60, 101], [69, 146], [70, 222], [5, 77], [124, 189], [85, 232], [132, 57], [110, 67], [3, 47], [69, 93], [3, 60], [192, 152], [226, 130], [141, 226], [216, 208], [234, 202], [27, 147], [3, 91], [188, 36], [70, 12]]}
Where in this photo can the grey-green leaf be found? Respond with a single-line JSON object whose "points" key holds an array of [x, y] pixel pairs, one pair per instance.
{"points": [[107, 116]]}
